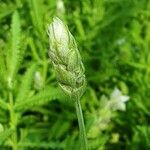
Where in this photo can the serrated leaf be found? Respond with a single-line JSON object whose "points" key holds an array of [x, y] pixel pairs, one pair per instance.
{"points": [[40, 98], [26, 83], [5, 134], [14, 54], [52, 145]]}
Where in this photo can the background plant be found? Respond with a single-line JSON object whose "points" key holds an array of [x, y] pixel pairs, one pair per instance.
{"points": [[114, 43]]}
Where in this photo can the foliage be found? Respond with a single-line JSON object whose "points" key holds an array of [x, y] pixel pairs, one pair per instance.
{"points": [[113, 37]]}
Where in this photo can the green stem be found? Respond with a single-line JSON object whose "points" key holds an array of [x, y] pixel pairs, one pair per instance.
{"points": [[81, 125], [13, 122]]}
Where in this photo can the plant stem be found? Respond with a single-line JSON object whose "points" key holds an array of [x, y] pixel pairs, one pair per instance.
{"points": [[13, 122], [81, 124]]}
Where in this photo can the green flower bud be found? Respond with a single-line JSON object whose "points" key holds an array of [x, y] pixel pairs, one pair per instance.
{"points": [[66, 59]]}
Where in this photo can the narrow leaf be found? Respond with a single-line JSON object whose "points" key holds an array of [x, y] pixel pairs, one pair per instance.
{"points": [[40, 98], [5, 134], [26, 84], [45, 145], [14, 52]]}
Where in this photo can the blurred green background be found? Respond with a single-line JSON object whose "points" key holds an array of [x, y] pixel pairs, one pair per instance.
{"points": [[113, 37]]}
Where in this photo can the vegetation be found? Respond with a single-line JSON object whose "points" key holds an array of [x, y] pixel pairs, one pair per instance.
{"points": [[113, 37]]}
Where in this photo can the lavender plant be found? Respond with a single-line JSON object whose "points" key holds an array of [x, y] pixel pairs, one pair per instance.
{"points": [[69, 68], [115, 38]]}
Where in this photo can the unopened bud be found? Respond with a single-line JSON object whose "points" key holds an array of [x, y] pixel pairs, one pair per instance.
{"points": [[66, 59]]}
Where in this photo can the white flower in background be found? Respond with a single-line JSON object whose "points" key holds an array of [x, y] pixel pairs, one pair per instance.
{"points": [[121, 41], [103, 116], [118, 100], [38, 81], [115, 138], [60, 7], [1, 128]]}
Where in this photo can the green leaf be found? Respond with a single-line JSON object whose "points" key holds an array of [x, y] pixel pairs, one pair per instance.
{"points": [[14, 54], [26, 83], [6, 9], [45, 145], [46, 95], [2, 66], [5, 134], [36, 14], [3, 104]]}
